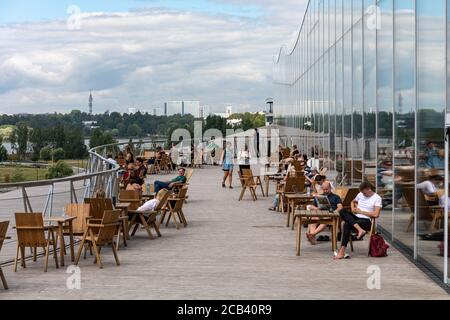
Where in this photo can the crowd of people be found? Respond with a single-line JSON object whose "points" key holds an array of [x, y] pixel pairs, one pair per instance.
{"points": [[135, 169]]}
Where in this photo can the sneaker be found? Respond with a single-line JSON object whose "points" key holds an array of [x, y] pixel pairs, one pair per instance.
{"points": [[223, 185]]}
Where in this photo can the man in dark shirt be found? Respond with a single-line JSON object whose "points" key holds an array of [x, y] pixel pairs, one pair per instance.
{"points": [[336, 205]]}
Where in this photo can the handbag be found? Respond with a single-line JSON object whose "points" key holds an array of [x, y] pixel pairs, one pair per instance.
{"points": [[377, 246]]}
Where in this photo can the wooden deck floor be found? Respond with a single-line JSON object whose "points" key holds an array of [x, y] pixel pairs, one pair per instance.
{"points": [[230, 250]]}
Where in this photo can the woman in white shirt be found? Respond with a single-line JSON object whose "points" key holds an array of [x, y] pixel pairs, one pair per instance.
{"points": [[365, 206]]}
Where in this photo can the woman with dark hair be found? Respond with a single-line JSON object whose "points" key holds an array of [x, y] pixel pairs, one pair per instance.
{"points": [[129, 158]]}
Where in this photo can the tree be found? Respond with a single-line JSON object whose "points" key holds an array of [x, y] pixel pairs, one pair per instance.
{"points": [[134, 130], [46, 153], [59, 170], [22, 140], [99, 138], [74, 145], [58, 154], [38, 140], [3, 153]]}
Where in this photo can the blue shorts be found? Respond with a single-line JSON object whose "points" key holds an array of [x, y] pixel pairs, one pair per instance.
{"points": [[228, 166]]}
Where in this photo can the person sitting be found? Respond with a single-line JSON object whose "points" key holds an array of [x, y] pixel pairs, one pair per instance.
{"points": [[141, 168], [430, 188], [335, 205], [181, 178], [365, 206], [135, 182], [294, 152], [150, 205], [129, 158], [311, 176]]}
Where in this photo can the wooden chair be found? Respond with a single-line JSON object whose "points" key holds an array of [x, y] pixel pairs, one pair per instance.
{"points": [[372, 231], [148, 219], [292, 185], [105, 236], [131, 196], [3, 229], [251, 182], [175, 208], [347, 196], [83, 213], [425, 212], [31, 233], [164, 164]]}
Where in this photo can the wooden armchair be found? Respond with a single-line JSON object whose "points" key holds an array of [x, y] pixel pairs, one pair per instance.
{"points": [[148, 218], [175, 208], [83, 213], [251, 182], [131, 196], [105, 236], [3, 229], [31, 233], [292, 185], [425, 212]]}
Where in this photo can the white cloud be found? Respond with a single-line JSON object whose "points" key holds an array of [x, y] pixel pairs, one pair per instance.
{"points": [[144, 58]]}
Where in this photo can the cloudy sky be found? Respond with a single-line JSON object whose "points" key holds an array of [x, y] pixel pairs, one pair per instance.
{"points": [[140, 52]]}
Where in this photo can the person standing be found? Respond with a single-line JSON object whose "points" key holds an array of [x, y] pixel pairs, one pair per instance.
{"points": [[244, 158], [257, 142], [228, 166]]}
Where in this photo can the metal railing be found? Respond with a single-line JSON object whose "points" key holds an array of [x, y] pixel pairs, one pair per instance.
{"points": [[100, 173]]}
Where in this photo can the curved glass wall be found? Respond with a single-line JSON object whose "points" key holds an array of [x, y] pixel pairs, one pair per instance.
{"points": [[366, 85]]}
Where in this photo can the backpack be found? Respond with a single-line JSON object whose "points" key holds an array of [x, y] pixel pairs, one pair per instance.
{"points": [[442, 249], [378, 247]]}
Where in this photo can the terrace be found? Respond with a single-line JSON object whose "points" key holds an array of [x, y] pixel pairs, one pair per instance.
{"points": [[229, 250]]}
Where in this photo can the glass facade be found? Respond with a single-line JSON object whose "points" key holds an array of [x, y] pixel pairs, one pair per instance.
{"points": [[366, 87]]}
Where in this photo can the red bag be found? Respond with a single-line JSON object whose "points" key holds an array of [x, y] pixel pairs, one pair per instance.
{"points": [[378, 247], [442, 248]]}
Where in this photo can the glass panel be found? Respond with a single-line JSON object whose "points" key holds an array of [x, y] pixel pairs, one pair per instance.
{"points": [[332, 109], [385, 105], [339, 110], [404, 142], [370, 88], [339, 20], [357, 143], [357, 10], [430, 125], [347, 113]]}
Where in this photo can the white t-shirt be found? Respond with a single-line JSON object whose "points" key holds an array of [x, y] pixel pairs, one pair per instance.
{"points": [[149, 205], [442, 201], [427, 187], [368, 204]]}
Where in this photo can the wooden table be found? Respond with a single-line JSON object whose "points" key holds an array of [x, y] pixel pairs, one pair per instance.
{"points": [[123, 206], [294, 199], [316, 217], [271, 176], [63, 221]]}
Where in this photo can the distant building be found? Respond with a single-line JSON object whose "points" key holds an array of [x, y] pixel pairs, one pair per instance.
{"points": [[184, 108], [173, 107], [90, 124], [192, 108]]}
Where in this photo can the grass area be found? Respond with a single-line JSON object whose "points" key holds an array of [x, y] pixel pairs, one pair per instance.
{"points": [[80, 163], [28, 174]]}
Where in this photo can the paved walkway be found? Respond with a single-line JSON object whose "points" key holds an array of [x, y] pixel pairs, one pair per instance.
{"points": [[230, 250]]}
